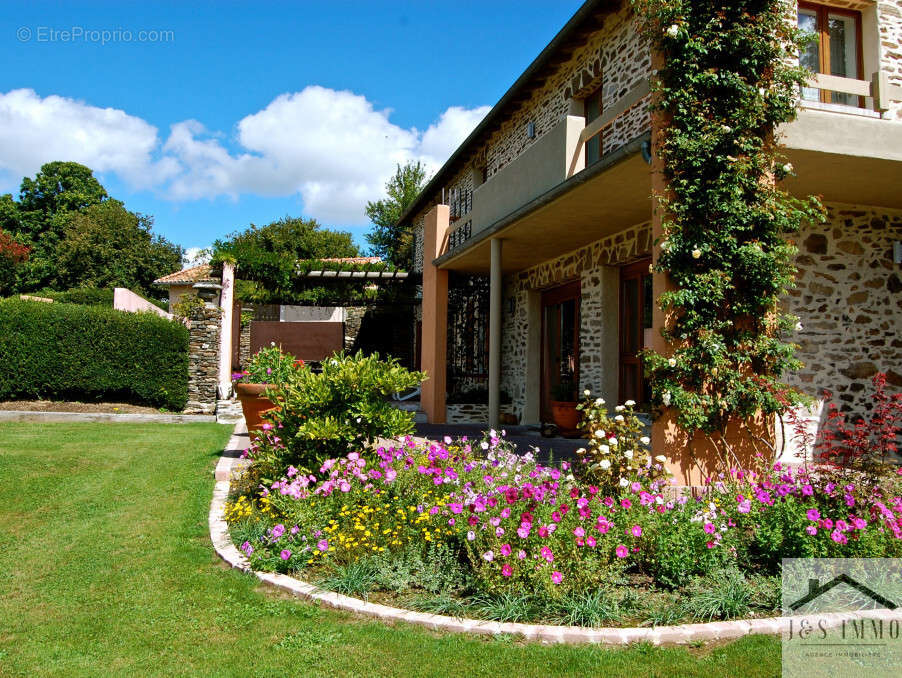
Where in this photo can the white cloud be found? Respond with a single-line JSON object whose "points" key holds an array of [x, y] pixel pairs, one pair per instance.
{"points": [[332, 148]]}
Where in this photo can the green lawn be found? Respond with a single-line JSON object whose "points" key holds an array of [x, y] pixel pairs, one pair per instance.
{"points": [[106, 569]]}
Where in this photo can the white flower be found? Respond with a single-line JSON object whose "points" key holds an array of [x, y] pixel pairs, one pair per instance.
{"points": [[612, 442], [645, 440], [762, 91], [624, 482], [272, 343], [587, 393], [605, 464], [628, 454], [619, 417], [798, 327], [599, 402], [651, 268], [661, 458], [665, 245], [599, 433], [619, 408], [493, 433], [726, 128], [673, 31], [671, 362], [630, 403], [666, 398], [604, 449], [696, 253], [787, 168], [659, 499]]}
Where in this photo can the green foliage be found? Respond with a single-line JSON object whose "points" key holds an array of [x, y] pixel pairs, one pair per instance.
{"points": [[351, 579], [12, 254], [388, 239], [187, 305], [589, 608], [342, 408], [87, 296], [723, 594], [726, 84], [105, 245], [269, 366], [73, 351], [267, 258]]}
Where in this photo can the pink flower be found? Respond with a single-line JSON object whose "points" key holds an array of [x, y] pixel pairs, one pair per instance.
{"points": [[838, 537], [523, 531], [579, 531], [322, 545], [626, 503], [813, 514], [521, 554], [744, 506], [811, 529], [636, 531], [709, 528], [710, 544], [556, 517], [557, 577], [488, 556], [547, 554], [507, 570], [621, 551], [505, 549], [285, 554]]}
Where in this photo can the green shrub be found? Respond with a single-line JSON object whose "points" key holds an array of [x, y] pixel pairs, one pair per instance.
{"points": [[88, 352], [339, 410]]}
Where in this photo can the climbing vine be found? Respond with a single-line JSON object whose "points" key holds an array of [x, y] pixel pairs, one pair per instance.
{"points": [[729, 77]]}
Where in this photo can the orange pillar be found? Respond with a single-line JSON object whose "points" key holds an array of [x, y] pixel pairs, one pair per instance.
{"points": [[435, 315]]}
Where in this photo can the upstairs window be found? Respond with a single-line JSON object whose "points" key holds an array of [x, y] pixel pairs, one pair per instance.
{"points": [[837, 50]]}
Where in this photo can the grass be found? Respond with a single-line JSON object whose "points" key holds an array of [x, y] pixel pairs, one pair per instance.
{"points": [[106, 569]]}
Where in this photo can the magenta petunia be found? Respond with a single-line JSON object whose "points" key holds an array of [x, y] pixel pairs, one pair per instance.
{"points": [[636, 531], [621, 551], [285, 554], [507, 570], [813, 514], [505, 549], [557, 577]]}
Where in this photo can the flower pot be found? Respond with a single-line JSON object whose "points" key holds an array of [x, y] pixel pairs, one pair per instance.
{"points": [[253, 403], [566, 418]]}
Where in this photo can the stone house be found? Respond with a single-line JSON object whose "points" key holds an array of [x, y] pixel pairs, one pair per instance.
{"points": [[550, 199]]}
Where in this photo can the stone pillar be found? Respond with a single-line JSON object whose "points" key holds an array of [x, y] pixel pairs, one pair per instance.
{"points": [[435, 316], [204, 327], [495, 294], [226, 302]]}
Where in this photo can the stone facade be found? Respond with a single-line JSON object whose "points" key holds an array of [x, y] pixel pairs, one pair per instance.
{"points": [[849, 301], [204, 327], [472, 413], [595, 267], [889, 25], [353, 320]]}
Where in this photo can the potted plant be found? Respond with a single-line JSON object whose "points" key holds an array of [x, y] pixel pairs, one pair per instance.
{"points": [[268, 366], [563, 407]]}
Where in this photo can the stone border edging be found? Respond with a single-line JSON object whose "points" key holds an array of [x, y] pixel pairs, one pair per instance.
{"points": [[661, 635], [133, 417]]}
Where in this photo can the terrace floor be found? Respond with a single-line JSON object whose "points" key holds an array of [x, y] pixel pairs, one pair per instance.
{"points": [[524, 437]]}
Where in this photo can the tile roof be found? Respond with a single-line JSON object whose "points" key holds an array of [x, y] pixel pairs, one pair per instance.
{"points": [[186, 276]]}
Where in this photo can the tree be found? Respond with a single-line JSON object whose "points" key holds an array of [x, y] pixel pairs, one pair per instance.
{"points": [[389, 239], [269, 254], [105, 245], [45, 205], [12, 254]]}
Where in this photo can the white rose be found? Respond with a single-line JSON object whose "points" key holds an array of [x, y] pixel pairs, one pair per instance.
{"points": [[619, 408], [726, 128], [671, 362], [645, 440], [587, 393], [798, 327], [599, 433], [665, 245], [599, 401], [628, 454], [673, 31], [762, 91], [661, 458], [604, 449], [612, 442], [624, 482], [696, 253], [787, 168], [605, 464], [630, 403], [581, 450], [619, 417], [666, 398]]}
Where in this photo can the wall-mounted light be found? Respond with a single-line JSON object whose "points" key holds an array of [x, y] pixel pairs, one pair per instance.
{"points": [[531, 130], [646, 152], [897, 252]]}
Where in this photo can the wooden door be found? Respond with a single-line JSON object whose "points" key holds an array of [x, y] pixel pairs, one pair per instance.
{"points": [[635, 330]]}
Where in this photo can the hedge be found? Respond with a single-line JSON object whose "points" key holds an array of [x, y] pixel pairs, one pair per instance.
{"points": [[71, 351]]}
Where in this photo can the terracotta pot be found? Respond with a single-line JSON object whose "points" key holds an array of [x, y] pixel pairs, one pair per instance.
{"points": [[566, 418], [253, 403]]}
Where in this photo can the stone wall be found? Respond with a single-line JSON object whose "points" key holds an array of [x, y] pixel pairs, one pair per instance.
{"points": [[599, 322], [849, 301], [471, 413], [353, 320], [889, 22], [204, 327]]}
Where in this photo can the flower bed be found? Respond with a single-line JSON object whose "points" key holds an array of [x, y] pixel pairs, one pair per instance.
{"points": [[468, 527]]}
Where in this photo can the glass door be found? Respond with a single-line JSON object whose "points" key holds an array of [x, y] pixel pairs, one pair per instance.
{"points": [[835, 51], [560, 344], [635, 330]]}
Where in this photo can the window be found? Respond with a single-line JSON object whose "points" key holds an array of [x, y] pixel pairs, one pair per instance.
{"points": [[837, 50], [594, 147]]}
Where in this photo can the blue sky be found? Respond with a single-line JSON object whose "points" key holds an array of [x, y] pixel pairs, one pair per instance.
{"points": [[242, 112]]}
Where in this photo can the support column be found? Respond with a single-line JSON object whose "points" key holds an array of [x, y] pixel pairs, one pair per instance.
{"points": [[226, 302], [495, 293], [434, 349]]}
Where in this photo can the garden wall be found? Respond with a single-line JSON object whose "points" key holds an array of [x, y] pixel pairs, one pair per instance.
{"points": [[71, 351]]}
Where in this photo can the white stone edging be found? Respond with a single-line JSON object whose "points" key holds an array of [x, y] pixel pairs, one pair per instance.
{"points": [[661, 635]]}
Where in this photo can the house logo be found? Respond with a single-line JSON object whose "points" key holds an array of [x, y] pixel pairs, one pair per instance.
{"points": [[816, 590]]}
